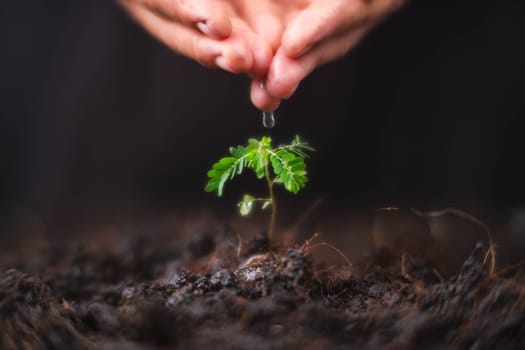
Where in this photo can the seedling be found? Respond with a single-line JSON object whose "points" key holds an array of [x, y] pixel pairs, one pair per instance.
{"points": [[284, 165]]}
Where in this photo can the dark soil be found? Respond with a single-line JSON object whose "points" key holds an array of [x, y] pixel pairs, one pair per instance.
{"points": [[214, 290]]}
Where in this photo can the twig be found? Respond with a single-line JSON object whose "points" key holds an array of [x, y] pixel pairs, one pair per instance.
{"points": [[403, 264], [438, 275], [239, 246], [469, 217], [307, 246]]}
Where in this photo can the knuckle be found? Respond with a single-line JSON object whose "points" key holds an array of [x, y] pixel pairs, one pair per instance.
{"points": [[187, 9], [199, 52], [360, 10]]}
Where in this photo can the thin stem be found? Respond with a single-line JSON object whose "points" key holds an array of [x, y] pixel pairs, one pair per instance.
{"points": [[269, 182], [261, 199]]}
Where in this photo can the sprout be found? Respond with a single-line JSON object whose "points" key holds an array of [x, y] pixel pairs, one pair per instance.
{"points": [[283, 165]]}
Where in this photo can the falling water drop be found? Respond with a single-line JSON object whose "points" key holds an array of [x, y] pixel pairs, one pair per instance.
{"points": [[268, 119]]}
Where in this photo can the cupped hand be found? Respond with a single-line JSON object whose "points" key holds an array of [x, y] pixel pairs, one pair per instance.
{"points": [[235, 35], [317, 32], [275, 42], [209, 32]]}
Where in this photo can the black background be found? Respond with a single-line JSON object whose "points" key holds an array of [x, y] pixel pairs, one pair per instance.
{"points": [[99, 118]]}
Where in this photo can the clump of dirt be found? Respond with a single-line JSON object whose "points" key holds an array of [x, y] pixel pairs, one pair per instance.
{"points": [[216, 290]]}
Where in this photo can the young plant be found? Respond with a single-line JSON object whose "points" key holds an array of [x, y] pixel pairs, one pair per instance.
{"points": [[284, 165]]}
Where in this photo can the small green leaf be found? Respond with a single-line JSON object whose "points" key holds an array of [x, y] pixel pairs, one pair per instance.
{"points": [[238, 151], [259, 167], [224, 163], [266, 141], [276, 164], [284, 165], [246, 205], [211, 186]]}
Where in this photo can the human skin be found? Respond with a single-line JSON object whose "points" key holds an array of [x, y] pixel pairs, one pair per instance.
{"points": [[277, 43]]}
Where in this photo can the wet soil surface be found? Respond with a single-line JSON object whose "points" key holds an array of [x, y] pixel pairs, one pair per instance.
{"points": [[215, 290]]}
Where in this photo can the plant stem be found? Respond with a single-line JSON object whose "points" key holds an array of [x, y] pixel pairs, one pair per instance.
{"points": [[269, 182]]}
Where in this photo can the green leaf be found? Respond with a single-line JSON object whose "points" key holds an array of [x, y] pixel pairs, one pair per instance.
{"points": [[276, 165], [246, 205], [238, 151], [224, 163], [225, 169], [253, 144], [298, 147], [266, 141], [286, 161], [259, 166], [289, 168], [211, 186]]}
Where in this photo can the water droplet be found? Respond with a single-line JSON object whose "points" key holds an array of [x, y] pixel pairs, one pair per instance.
{"points": [[268, 119]]}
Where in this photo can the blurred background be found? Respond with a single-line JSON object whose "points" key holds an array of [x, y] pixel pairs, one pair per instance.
{"points": [[100, 121]]}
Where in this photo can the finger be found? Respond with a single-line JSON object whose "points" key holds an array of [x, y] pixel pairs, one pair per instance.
{"points": [[286, 73], [265, 18], [262, 55], [263, 31], [237, 51], [231, 54], [210, 17], [324, 19], [262, 99], [320, 20], [269, 27], [236, 56]]}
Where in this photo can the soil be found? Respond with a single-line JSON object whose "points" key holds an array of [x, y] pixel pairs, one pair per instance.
{"points": [[216, 287]]}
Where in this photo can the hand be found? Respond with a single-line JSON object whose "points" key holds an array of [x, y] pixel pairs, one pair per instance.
{"points": [[234, 35], [316, 32], [277, 43], [201, 30]]}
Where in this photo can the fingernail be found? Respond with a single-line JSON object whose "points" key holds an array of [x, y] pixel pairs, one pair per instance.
{"points": [[220, 61], [203, 27]]}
